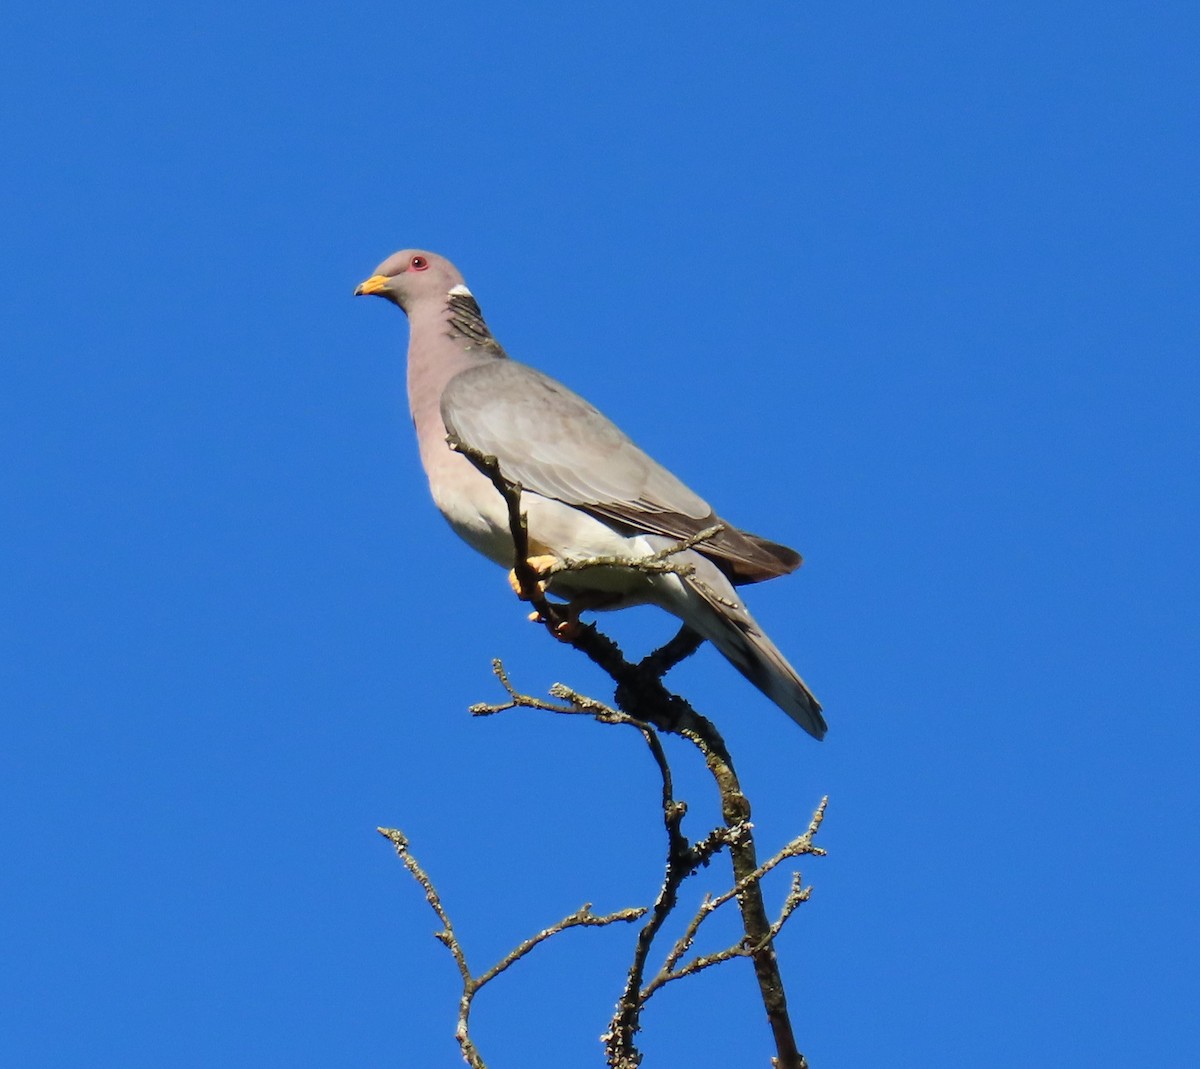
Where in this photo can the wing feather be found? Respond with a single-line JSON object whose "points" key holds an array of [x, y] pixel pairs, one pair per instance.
{"points": [[555, 444]]}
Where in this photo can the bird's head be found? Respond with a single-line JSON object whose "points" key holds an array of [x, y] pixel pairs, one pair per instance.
{"points": [[412, 277]]}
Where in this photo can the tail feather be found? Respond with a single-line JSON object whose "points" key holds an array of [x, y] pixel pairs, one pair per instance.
{"points": [[759, 660], [711, 607]]}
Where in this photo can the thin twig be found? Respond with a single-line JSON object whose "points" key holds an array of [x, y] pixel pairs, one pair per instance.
{"points": [[802, 844], [583, 917], [658, 563], [471, 985]]}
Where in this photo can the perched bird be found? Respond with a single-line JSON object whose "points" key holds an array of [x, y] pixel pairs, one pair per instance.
{"points": [[587, 490]]}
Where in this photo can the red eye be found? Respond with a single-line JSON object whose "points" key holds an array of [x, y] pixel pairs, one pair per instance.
{"points": [[418, 263]]}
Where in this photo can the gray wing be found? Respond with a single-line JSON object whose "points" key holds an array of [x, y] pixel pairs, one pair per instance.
{"points": [[554, 443]]}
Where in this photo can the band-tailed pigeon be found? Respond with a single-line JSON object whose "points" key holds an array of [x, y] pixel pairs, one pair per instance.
{"points": [[587, 490]]}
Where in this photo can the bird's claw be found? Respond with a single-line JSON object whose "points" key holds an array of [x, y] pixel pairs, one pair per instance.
{"points": [[568, 627], [565, 628]]}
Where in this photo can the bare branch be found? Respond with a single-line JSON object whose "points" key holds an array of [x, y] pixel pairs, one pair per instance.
{"points": [[446, 936], [802, 844], [524, 701], [582, 917], [683, 859]]}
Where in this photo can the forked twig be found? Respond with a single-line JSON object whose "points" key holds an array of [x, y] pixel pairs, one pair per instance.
{"points": [[471, 985]]}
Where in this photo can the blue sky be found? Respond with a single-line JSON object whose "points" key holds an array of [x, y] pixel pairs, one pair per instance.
{"points": [[912, 290]]}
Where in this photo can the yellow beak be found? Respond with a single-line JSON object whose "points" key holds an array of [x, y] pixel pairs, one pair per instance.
{"points": [[375, 284]]}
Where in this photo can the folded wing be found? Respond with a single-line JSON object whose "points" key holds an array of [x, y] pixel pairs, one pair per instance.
{"points": [[552, 442]]}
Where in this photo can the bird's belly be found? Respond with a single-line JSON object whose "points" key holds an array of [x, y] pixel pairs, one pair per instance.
{"points": [[555, 529], [483, 527]]}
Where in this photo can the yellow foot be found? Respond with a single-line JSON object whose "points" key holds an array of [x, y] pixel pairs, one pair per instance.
{"points": [[540, 565]]}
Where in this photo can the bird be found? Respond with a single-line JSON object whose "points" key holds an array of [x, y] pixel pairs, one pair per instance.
{"points": [[587, 490]]}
